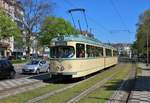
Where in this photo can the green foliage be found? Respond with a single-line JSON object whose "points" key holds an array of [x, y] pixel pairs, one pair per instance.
{"points": [[142, 31], [18, 61], [8, 28], [53, 27]]}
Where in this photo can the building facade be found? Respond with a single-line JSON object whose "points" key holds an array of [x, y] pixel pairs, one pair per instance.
{"points": [[14, 9], [124, 49]]}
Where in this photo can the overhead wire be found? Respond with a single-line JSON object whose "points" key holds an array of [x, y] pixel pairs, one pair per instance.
{"points": [[119, 15], [99, 24], [90, 18]]}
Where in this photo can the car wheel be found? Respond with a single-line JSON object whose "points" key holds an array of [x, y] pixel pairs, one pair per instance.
{"points": [[12, 75], [37, 71]]}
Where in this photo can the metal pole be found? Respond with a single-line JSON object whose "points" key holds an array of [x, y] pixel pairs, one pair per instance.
{"points": [[147, 51], [84, 14], [80, 26], [73, 19], [85, 20]]}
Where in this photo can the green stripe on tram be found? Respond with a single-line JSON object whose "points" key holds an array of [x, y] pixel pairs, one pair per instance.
{"points": [[79, 58]]}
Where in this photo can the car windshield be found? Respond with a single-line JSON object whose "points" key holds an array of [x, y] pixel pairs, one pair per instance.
{"points": [[62, 52], [34, 62]]}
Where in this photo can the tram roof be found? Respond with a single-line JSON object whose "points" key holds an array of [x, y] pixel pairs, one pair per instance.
{"points": [[81, 38]]}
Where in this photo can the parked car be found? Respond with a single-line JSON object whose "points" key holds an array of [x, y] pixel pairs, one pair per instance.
{"points": [[36, 66], [6, 69]]}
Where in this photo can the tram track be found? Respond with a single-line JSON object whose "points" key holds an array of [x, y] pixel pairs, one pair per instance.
{"points": [[91, 89], [118, 96], [68, 86], [124, 90], [71, 85]]}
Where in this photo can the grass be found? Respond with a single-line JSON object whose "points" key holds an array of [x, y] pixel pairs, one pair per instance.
{"points": [[70, 93], [103, 94], [21, 98], [63, 96]]}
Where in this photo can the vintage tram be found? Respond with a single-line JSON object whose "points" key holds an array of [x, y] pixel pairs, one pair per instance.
{"points": [[78, 56]]}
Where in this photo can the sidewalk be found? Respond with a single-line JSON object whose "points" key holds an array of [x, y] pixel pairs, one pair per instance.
{"points": [[141, 92]]}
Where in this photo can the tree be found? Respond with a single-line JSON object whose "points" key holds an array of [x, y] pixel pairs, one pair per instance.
{"points": [[35, 12], [54, 26], [8, 28], [142, 31]]}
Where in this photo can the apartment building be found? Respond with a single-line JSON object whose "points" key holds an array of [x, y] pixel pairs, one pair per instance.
{"points": [[14, 9], [124, 49]]}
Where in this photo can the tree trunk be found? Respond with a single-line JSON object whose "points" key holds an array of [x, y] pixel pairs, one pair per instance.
{"points": [[28, 52]]}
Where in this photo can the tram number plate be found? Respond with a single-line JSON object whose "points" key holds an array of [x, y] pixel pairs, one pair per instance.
{"points": [[60, 43]]}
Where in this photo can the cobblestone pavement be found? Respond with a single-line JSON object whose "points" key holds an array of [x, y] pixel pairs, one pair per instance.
{"points": [[141, 92], [15, 86], [8, 84]]}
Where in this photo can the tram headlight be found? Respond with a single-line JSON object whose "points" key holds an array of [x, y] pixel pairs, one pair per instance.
{"points": [[62, 68]]}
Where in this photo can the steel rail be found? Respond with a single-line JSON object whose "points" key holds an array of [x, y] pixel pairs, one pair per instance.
{"points": [[92, 88], [123, 91], [68, 86]]}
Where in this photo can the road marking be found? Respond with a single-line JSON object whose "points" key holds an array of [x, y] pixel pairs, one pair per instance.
{"points": [[4, 85], [10, 83], [16, 82]]}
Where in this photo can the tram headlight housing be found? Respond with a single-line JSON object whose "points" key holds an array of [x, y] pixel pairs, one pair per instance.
{"points": [[58, 68]]}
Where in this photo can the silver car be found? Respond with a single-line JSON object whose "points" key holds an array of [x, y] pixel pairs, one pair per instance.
{"points": [[36, 66]]}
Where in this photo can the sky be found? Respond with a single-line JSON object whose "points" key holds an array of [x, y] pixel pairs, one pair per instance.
{"points": [[109, 20]]}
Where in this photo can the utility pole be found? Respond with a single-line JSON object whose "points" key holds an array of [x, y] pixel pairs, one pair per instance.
{"points": [[147, 51]]}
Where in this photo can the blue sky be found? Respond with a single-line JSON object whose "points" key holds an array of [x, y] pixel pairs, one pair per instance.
{"points": [[103, 17]]}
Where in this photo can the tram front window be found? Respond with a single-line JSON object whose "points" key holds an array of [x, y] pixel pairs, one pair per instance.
{"points": [[62, 52]]}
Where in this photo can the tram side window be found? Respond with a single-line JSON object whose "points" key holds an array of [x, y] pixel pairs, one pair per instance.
{"points": [[100, 51], [89, 51], [114, 53], [93, 51], [62, 52], [108, 52], [80, 50]]}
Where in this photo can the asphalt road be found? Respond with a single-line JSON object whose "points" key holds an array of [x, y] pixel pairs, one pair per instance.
{"points": [[18, 69]]}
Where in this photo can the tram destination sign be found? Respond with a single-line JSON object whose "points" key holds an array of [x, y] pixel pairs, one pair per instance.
{"points": [[61, 43]]}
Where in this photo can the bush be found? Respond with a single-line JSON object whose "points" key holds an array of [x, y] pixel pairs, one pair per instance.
{"points": [[18, 61]]}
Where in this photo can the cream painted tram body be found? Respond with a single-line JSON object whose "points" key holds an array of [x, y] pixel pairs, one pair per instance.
{"points": [[78, 56]]}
